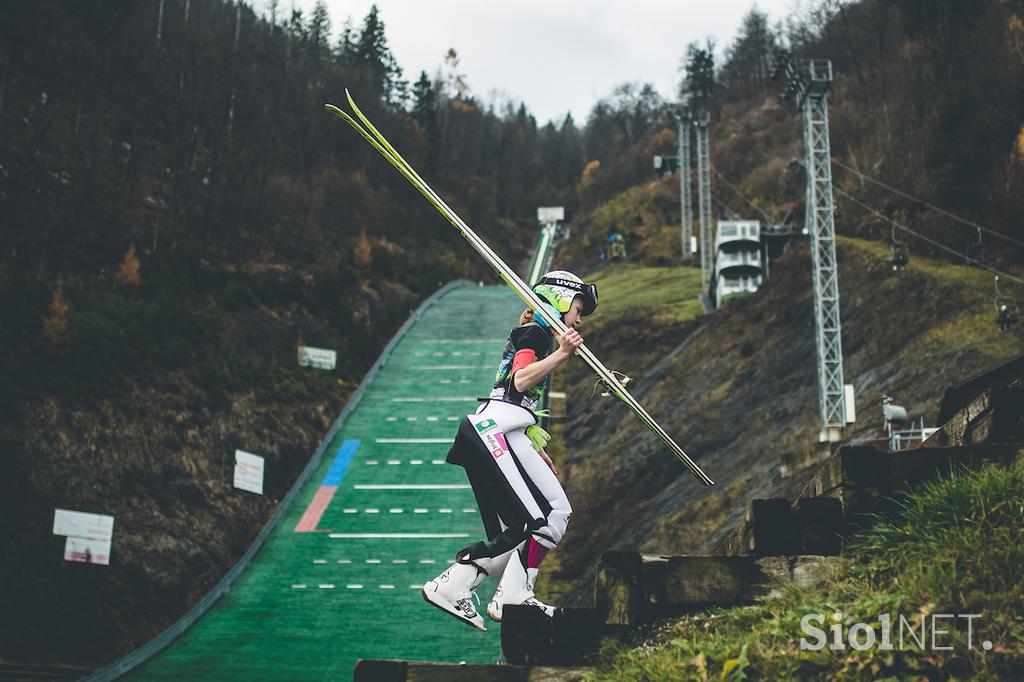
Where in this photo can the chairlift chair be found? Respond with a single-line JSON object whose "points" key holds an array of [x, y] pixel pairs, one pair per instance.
{"points": [[976, 251], [1007, 310], [900, 253]]}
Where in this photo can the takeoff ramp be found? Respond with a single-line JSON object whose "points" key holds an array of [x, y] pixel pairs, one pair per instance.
{"points": [[339, 578]]}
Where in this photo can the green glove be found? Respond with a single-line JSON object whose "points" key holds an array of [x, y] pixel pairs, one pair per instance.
{"points": [[538, 436]]}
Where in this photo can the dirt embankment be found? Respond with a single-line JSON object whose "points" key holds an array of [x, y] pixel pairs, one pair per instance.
{"points": [[738, 390], [154, 447]]}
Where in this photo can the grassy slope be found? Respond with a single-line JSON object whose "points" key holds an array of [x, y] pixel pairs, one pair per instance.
{"points": [[955, 549], [665, 296]]}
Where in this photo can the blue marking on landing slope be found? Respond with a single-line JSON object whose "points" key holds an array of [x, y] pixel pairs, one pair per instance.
{"points": [[341, 461]]}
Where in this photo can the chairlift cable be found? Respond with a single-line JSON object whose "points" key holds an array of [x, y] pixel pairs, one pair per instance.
{"points": [[743, 196], [925, 203], [924, 238]]}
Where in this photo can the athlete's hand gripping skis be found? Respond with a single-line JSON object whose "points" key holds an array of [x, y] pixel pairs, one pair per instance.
{"points": [[365, 128]]}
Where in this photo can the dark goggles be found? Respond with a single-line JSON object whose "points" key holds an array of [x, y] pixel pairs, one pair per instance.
{"points": [[587, 291]]}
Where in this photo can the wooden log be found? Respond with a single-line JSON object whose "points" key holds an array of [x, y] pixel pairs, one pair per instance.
{"points": [[368, 670], [675, 585]]}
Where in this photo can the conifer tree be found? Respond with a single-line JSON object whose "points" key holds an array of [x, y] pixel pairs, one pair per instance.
{"points": [[374, 56]]}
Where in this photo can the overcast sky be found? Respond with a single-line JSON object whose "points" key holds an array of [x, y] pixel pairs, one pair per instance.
{"points": [[555, 55]]}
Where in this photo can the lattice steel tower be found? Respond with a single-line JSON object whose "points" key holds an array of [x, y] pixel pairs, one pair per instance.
{"points": [[809, 83], [707, 248], [685, 123]]}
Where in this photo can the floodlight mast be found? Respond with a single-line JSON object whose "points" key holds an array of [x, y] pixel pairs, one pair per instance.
{"points": [[807, 84], [707, 249], [684, 123]]}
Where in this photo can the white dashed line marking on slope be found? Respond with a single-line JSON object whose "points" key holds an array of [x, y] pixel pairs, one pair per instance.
{"points": [[439, 399], [395, 536], [326, 586], [298, 586], [389, 441], [319, 561], [373, 561], [354, 587], [411, 486]]}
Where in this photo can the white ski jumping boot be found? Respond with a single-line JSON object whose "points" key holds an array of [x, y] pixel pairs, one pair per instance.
{"points": [[516, 587], [452, 592]]}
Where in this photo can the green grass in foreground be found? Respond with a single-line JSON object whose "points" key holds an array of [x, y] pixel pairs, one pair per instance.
{"points": [[957, 547], [667, 295]]}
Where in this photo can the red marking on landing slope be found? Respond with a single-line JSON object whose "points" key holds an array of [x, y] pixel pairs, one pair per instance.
{"points": [[316, 508]]}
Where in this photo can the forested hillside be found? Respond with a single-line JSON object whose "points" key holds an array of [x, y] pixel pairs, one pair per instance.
{"points": [[177, 213]]}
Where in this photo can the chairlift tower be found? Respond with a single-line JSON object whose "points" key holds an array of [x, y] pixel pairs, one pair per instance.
{"points": [[685, 123], [809, 82], [707, 247]]}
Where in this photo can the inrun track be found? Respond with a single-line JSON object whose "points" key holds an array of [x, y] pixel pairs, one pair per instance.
{"points": [[312, 603]]}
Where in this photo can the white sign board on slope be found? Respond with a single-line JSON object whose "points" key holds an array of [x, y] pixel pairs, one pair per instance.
{"points": [[248, 472], [550, 214], [87, 551], [320, 358], [83, 525]]}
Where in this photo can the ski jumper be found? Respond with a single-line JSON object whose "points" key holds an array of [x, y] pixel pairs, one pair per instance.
{"points": [[518, 495]]}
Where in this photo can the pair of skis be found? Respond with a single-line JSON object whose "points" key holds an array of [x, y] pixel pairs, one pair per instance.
{"points": [[370, 133]]}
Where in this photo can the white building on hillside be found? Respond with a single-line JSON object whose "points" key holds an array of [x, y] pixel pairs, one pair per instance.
{"points": [[738, 266]]}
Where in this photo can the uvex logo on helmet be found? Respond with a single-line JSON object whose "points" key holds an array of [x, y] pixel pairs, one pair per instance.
{"points": [[560, 287]]}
